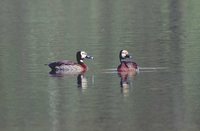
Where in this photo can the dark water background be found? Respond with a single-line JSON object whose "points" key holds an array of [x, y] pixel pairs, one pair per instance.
{"points": [[163, 33]]}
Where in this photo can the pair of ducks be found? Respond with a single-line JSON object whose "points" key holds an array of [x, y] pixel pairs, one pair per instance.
{"points": [[126, 63]]}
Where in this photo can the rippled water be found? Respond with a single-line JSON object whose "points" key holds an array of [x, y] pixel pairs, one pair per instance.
{"points": [[162, 36]]}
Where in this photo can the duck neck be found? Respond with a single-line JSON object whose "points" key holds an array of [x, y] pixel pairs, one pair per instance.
{"points": [[83, 65], [122, 60], [80, 62], [123, 63]]}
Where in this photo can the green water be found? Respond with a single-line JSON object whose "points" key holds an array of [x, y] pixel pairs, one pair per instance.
{"points": [[157, 33]]}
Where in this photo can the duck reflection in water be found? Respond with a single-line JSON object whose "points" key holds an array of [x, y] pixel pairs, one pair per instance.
{"points": [[81, 79], [126, 79]]}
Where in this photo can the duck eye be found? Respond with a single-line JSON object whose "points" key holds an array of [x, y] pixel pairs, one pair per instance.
{"points": [[83, 54], [123, 54]]}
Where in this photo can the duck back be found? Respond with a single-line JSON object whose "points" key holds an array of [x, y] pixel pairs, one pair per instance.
{"points": [[67, 65]]}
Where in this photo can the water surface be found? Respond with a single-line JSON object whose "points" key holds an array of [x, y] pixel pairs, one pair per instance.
{"points": [[162, 36]]}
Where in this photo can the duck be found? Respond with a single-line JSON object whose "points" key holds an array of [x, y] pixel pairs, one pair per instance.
{"points": [[70, 66], [126, 63]]}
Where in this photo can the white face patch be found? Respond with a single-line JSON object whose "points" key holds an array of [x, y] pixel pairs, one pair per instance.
{"points": [[124, 53], [83, 54]]}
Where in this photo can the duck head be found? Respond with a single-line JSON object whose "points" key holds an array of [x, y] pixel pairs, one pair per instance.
{"points": [[123, 54], [81, 55]]}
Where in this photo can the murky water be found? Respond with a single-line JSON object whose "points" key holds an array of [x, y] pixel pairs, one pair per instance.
{"points": [[162, 36]]}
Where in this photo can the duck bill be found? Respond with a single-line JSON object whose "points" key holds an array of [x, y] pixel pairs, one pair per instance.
{"points": [[89, 57]]}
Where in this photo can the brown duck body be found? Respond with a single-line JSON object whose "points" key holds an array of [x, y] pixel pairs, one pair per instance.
{"points": [[67, 65], [127, 66], [70, 66]]}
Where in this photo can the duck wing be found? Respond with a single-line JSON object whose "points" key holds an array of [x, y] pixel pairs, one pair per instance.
{"points": [[60, 63], [66, 62], [132, 64]]}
